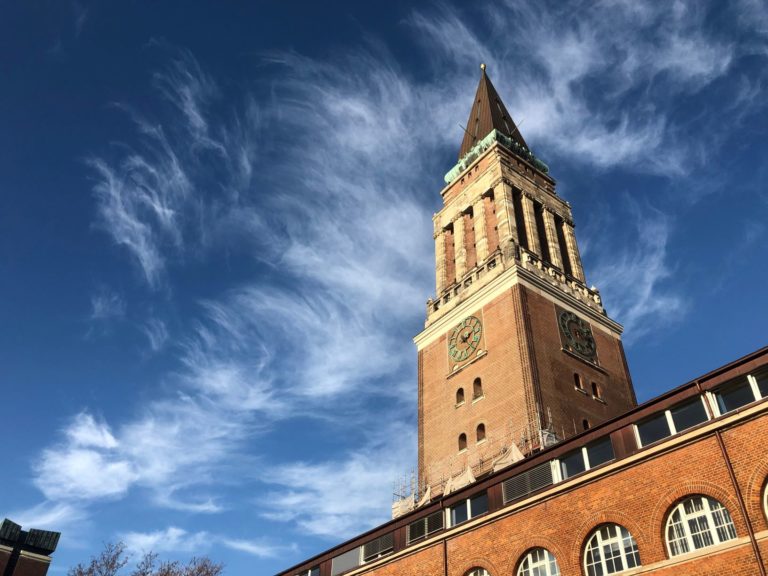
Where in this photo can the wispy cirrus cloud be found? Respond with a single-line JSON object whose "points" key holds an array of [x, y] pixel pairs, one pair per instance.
{"points": [[336, 234], [174, 539], [106, 305]]}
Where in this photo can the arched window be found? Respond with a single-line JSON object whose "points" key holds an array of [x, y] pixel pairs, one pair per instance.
{"points": [[538, 562], [610, 549], [585, 424], [459, 396], [462, 441], [478, 572], [477, 389], [480, 432], [698, 522], [595, 390], [765, 499], [577, 381]]}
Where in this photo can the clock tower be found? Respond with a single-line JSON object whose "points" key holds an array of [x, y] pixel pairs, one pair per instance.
{"points": [[517, 352]]}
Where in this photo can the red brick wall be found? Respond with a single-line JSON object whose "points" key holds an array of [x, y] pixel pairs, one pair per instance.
{"points": [[639, 497], [524, 368]]}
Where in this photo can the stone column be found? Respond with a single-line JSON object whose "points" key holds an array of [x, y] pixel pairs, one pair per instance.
{"points": [[573, 251], [439, 262], [530, 226], [481, 235], [551, 231], [505, 219], [459, 249]]}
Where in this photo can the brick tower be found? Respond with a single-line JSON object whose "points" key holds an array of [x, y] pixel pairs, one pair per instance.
{"points": [[517, 352]]}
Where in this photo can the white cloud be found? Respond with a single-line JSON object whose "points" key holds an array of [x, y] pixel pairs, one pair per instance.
{"points": [[259, 548], [48, 516], [633, 280], [342, 496], [156, 332], [86, 432], [106, 304], [172, 539]]}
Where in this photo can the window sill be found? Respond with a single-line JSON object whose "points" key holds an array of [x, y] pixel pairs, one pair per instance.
{"points": [[478, 399], [598, 399], [459, 405], [462, 451], [580, 390], [481, 441]]}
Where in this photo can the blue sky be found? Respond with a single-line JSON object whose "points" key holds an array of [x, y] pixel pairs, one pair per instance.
{"points": [[215, 239]]}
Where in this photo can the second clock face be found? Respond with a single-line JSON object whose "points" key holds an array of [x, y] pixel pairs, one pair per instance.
{"points": [[465, 338], [577, 335]]}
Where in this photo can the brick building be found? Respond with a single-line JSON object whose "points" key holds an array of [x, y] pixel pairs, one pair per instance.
{"points": [[534, 459]]}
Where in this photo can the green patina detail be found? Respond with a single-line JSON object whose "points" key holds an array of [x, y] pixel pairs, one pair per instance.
{"points": [[483, 145]]}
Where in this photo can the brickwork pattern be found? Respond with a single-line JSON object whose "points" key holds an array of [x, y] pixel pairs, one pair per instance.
{"points": [[638, 497]]}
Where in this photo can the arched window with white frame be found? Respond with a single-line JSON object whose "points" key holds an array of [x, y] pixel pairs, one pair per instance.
{"points": [[765, 499], [538, 562], [610, 549], [698, 522], [478, 572]]}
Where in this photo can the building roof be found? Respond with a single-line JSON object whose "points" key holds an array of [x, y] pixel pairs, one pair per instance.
{"points": [[488, 113]]}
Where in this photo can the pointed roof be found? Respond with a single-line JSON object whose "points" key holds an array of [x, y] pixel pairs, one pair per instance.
{"points": [[488, 114]]}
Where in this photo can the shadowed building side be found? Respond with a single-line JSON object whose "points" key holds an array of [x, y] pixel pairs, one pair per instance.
{"points": [[25, 553]]}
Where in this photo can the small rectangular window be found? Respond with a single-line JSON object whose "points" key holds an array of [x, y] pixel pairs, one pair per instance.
{"points": [[378, 547], [762, 383], [345, 562], [734, 395], [424, 526], [688, 414], [527, 482], [572, 464], [459, 513], [600, 451], [478, 505], [469, 508], [653, 429]]}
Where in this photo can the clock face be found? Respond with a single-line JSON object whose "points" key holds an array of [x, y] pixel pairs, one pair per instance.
{"points": [[464, 339], [577, 335]]}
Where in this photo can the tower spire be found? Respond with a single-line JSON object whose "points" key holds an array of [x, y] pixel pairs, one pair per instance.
{"points": [[488, 113]]}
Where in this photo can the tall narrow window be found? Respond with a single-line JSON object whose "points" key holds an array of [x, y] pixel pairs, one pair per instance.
{"points": [[577, 381], [595, 390], [462, 441], [480, 432], [560, 229], [585, 424], [459, 396], [517, 203], [610, 549], [698, 522], [469, 238], [450, 255], [491, 222], [477, 389], [538, 212]]}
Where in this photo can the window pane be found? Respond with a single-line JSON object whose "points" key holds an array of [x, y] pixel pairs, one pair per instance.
{"points": [[762, 383], [479, 504], [600, 451], [572, 463], [653, 429], [735, 395], [688, 414], [459, 513]]}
